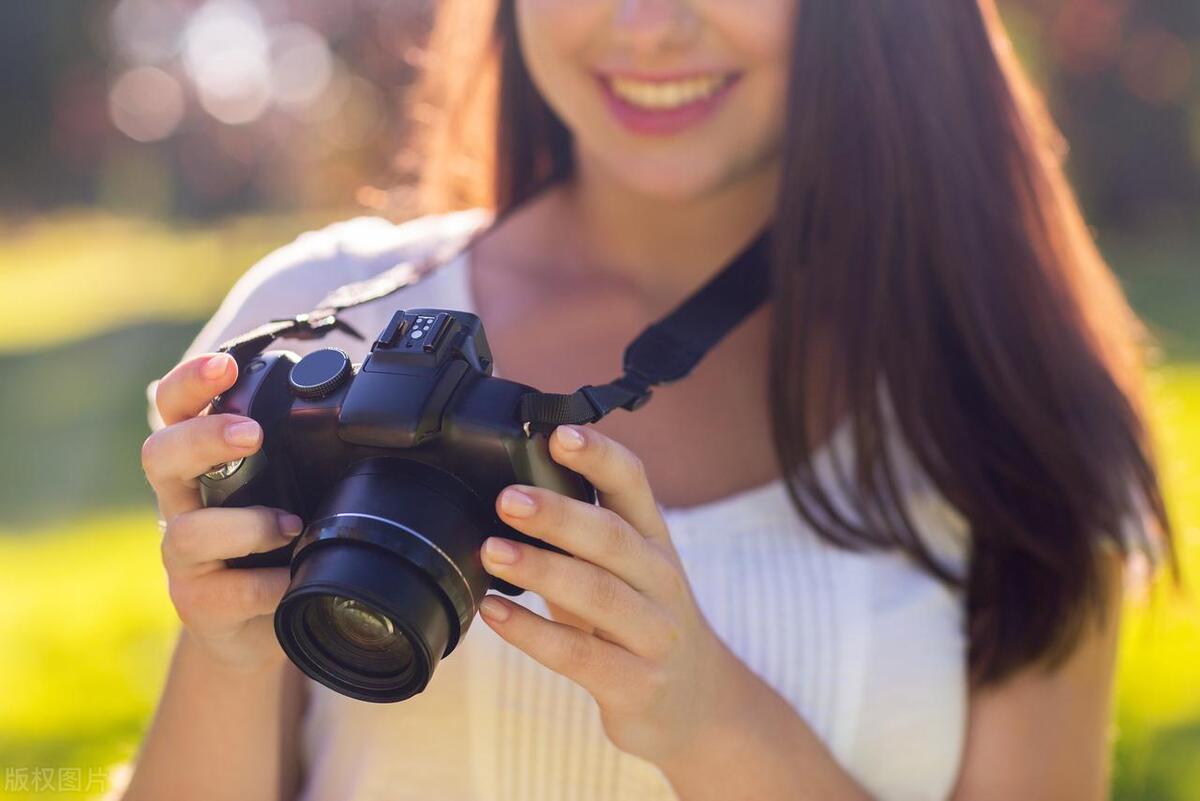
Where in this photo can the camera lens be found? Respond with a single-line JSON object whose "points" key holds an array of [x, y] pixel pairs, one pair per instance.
{"points": [[385, 580], [363, 622], [347, 634]]}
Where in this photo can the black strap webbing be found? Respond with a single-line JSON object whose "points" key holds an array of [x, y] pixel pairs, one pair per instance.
{"points": [[667, 350]]}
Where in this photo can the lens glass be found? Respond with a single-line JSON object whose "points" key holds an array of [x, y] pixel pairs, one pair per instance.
{"points": [[355, 638], [359, 624]]}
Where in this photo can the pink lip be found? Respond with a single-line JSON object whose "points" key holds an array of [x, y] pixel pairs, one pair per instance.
{"points": [[662, 122]]}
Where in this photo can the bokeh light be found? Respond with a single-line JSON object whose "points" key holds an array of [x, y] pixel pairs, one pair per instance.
{"points": [[146, 104], [1157, 67], [315, 86], [225, 53], [148, 31], [1088, 33], [301, 65]]}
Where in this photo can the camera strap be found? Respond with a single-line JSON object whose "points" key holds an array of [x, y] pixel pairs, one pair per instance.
{"points": [[323, 319], [665, 352]]}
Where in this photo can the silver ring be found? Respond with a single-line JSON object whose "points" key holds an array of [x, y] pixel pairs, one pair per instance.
{"points": [[412, 533]]}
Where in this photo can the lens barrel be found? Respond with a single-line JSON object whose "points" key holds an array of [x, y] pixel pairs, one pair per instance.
{"points": [[385, 579]]}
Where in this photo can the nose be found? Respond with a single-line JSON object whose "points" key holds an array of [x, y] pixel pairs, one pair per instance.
{"points": [[651, 25]]}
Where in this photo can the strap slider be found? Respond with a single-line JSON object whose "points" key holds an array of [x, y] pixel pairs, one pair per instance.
{"points": [[627, 392], [636, 385], [599, 407], [638, 402]]}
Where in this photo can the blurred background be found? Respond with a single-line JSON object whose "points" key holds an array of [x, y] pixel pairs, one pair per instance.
{"points": [[152, 150]]}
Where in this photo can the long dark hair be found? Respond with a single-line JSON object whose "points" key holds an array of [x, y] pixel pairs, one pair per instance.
{"points": [[927, 241]]}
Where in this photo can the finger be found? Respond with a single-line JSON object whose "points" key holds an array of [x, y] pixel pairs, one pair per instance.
{"points": [[594, 533], [615, 471], [199, 540], [189, 386], [230, 596], [626, 617], [598, 666], [173, 457]]}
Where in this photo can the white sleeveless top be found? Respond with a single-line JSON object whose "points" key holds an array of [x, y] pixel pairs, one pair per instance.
{"points": [[867, 648]]}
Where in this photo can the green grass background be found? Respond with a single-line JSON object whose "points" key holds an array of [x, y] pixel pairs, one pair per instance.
{"points": [[85, 623]]}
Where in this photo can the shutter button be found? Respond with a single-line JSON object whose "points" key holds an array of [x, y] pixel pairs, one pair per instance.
{"points": [[320, 373]]}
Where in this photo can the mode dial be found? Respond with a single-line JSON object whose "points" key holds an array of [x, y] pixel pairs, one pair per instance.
{"points": [[320, 373]]}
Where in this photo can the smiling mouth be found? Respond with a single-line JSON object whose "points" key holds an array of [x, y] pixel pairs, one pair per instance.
{"points": [[667, 95]]}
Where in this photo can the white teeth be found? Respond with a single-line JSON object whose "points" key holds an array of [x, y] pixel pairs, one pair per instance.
{"points": [[666, 94]]}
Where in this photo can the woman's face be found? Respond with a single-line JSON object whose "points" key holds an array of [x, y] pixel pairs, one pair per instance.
{"points": [[672, 98]]}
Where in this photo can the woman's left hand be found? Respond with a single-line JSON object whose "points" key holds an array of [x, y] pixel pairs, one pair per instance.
{"points": [[626, 627]]}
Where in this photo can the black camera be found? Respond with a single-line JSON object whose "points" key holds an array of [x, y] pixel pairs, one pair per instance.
{"points": [[394, 465]]}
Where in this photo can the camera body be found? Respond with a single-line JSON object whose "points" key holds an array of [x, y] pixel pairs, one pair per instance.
{"points": [[394, 465]]}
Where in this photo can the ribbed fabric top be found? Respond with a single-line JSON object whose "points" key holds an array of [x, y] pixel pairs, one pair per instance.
{"points": [[865, 646]]}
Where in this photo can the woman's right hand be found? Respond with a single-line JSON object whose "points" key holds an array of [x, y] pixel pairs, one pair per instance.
{"points": [[227, 611]]}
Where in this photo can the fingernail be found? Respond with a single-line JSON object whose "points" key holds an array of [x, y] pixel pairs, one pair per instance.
{"points": [[500, 551], [216, 366], [493, 608], [290, 525], [516, 503], [570, 438], [242, 434]]}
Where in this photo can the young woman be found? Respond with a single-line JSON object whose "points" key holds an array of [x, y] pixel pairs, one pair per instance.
{"points": [[872, 547]]}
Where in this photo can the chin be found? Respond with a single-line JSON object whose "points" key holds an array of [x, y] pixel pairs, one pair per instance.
{"points": [[675, 181]]}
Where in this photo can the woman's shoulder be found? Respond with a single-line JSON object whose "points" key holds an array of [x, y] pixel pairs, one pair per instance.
{"points": [[370, 240], [318, 261], [294, 278]]}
